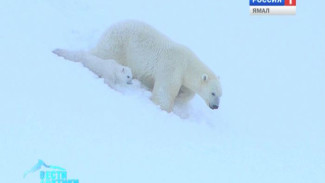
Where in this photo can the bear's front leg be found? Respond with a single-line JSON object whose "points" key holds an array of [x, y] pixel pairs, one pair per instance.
{"points": [[164, 93], [184, 95]]}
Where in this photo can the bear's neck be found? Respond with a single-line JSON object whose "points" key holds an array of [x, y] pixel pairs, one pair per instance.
{"points": [[192, 85], [193, 77]]}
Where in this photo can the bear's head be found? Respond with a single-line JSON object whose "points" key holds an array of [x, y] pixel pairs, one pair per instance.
{"points": [[125, 75], [210, 91]]}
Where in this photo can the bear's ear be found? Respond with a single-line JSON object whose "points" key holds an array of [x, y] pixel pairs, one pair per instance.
{"points": [[123, 70], [205, 77]]}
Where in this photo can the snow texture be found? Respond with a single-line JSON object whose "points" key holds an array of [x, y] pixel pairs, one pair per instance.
{"points": [[270, 126]]}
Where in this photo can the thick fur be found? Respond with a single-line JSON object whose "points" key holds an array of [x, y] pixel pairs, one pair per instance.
{"points": [[171, 70], [112, 72]]}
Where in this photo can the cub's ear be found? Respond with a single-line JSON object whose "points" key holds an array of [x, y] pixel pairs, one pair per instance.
{"points": [[123, 70], [205, 77]]}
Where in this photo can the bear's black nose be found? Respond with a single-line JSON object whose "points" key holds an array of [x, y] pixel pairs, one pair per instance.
{"points": [[214, 107]]}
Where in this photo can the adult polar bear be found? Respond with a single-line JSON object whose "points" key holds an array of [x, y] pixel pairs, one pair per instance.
{"points": [[171, 70]]}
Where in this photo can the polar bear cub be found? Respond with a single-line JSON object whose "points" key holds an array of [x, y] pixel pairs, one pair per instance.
{"points": [[112, 72]]}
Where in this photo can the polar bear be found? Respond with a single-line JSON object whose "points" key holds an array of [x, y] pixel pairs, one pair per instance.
{"points": [[112, 72], [170, 70]]}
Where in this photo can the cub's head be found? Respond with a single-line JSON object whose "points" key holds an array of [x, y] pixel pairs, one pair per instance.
{"points": [[210, 91], [125, 75]]}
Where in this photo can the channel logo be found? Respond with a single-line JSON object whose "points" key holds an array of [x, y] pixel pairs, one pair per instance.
{"points": [[272, 7], [54, 174]]}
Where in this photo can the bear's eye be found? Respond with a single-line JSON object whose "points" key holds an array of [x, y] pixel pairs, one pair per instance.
{"points": [[128, 76], [213, 94]]}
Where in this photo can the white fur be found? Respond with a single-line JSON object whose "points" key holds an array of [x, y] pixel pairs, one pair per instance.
{"points": [[112, 72], [171, 70]]}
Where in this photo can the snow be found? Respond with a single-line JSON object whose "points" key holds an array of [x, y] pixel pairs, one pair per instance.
{"points": [[270, 126]]}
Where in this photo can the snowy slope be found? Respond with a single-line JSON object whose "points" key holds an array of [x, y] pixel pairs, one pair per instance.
{"points": [[270, 126]]}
